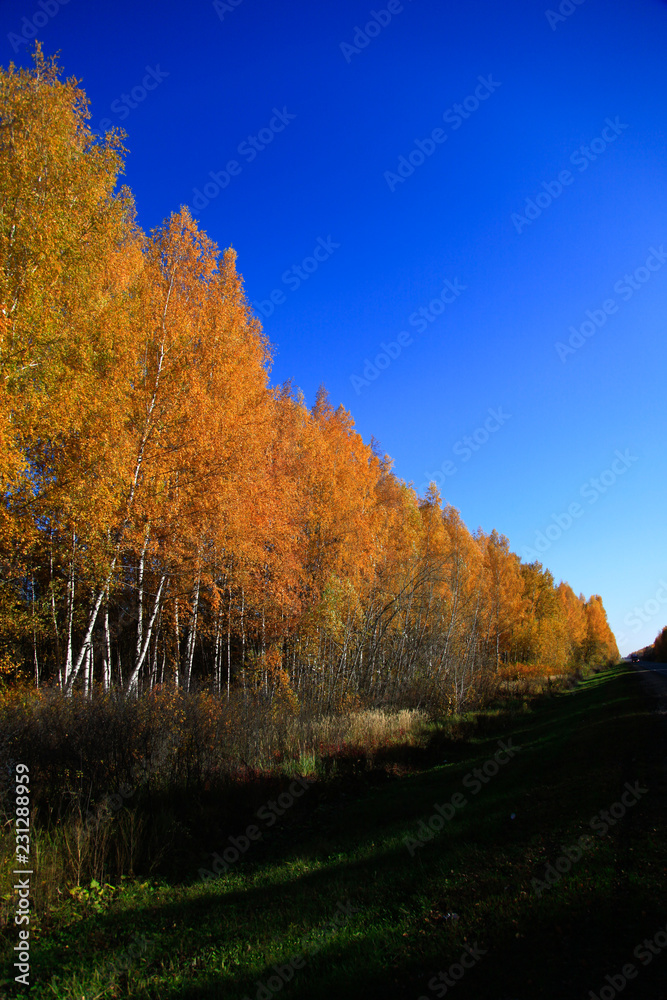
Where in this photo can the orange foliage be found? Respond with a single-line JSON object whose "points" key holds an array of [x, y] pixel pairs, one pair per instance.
{"points": [[171, 519]]}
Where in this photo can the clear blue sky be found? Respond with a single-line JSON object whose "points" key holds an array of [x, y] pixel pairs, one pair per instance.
{"points": [[332, 121]]}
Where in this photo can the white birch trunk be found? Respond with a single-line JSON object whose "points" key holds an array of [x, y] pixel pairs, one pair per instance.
{"points": [[133, 682]]}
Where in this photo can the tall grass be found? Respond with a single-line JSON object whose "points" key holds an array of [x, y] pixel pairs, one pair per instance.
{"points": [[136, 786], [119, 786]]}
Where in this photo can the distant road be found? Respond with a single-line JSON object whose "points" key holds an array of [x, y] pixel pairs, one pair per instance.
{"points": [[654, 678], [660, 668]]}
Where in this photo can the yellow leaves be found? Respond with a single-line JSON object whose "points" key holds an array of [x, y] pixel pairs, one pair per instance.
{"points": [[522, 671], [265, 672], [138, 429], [8, 665]]}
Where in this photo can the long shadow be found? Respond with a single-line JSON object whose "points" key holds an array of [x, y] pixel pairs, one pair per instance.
{"points": [[573, 945]]}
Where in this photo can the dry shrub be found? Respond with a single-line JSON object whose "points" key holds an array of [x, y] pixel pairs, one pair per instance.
{"points": [[122, 785], [375, 727]]}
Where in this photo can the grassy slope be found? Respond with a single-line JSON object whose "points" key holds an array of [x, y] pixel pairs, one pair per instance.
{"points": [[219, 939]]}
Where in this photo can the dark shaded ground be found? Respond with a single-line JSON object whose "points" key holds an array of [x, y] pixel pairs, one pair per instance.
{"points": [[347, 844]]}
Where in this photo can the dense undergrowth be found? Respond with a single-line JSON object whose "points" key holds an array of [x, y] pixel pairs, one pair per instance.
{"points": [[125, 786], [347, 848]]}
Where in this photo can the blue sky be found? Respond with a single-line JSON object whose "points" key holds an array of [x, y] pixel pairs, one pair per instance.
{"points": [[533, 215]]}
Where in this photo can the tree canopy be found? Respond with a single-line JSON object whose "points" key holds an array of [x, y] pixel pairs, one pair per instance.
{"points": [[169, 515]]}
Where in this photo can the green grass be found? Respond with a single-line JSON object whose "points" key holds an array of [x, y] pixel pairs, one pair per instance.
{"points": [[344, 844]]}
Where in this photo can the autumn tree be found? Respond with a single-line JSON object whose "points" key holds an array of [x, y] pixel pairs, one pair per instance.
{"points": [[170, 517]]}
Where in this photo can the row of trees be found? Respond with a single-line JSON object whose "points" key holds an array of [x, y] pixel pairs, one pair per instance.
{"points": [[166, 514], [657, 651]]}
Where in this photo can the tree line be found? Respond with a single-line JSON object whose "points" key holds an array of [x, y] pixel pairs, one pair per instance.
{"points": [[657, 651], [169, 516]]}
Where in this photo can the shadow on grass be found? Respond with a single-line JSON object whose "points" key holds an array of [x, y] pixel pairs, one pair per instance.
{"points": [[577, 752]]}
